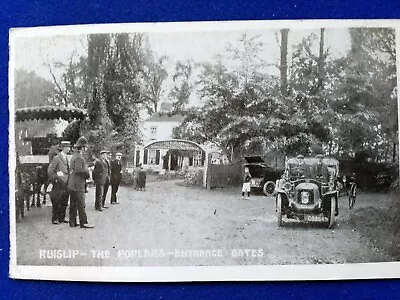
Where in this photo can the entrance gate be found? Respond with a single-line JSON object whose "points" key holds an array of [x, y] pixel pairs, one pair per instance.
{"points": [[175, 152]]}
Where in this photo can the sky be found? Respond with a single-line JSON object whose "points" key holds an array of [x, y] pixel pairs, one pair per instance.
{"points": [[34, 52], [31, 53]]}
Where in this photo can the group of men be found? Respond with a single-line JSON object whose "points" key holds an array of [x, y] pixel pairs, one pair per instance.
{"points": [[318, 170], [106, 172], [68, 179]]}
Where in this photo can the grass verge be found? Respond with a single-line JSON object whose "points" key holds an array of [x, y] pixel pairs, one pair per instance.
{"points": [[381, 225]]}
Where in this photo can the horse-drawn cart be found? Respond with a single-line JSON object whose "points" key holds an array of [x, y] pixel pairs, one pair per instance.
{"points": [[31, 170]]}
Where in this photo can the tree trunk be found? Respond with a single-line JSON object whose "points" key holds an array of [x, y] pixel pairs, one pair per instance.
{"points": [[321, 60], [283, 66]]}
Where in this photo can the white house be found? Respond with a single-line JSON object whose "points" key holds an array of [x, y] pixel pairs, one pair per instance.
{"points": [[159, 151]]}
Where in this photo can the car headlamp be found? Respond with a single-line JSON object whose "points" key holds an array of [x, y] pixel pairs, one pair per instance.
{"points": [[287, 186]]}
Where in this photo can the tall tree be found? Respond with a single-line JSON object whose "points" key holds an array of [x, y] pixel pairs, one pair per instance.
{"points": [[31, 90], [284, 65], [154, 74], [238, 108], [364, 102], [183, 85], [113, 81]]}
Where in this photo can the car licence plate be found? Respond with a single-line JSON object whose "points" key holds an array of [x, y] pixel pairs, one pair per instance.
{"points": [[314, 218]]}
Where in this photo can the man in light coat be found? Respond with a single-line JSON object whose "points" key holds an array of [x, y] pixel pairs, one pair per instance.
{"points": [[58, 172]]}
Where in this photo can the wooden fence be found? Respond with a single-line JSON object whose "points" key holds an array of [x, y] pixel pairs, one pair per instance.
{"points": [[219, 176]]}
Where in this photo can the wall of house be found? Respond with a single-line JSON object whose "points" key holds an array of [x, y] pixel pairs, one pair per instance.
{"points": [[155, 131]]}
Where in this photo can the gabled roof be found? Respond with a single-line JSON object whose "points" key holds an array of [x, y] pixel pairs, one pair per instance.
{"points": [[165, 117]]}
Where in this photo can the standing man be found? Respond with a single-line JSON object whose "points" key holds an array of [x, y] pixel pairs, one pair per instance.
{"points": [[116, 175], [58, 172], [100, 174], [53, 151], [107, 183], [79, 172]]}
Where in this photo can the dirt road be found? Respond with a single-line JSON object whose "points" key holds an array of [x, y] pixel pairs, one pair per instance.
{"points": [[174, 225]]}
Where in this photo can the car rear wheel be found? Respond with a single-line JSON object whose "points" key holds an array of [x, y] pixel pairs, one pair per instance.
{"points": [[331, 217], [269, 188], [279, 209]]}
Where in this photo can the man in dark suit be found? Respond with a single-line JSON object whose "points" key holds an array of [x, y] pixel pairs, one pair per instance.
{"points": [[58, 172], [107, 183], [116, 175], [79, 172], [100, 177]]}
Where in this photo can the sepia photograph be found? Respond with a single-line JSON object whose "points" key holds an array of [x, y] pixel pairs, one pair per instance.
{"points": [[205, 151]]}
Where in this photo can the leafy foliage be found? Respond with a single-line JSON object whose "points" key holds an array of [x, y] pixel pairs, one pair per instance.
{"points": [[31, 90], [340, 106], [116, 79]]}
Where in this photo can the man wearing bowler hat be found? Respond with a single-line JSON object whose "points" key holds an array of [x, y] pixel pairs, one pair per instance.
{"points": [[116, 175], [100, 177], [58, 172], [79, 172]]}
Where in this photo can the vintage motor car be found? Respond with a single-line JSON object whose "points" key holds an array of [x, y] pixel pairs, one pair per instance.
{"points": [[263, 176], [304, 196]]}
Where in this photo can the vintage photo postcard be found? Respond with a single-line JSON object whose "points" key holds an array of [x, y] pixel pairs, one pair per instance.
{"points": [[208, 151]]}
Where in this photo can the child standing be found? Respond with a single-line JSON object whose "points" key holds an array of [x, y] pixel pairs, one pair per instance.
{"points": [[246, 183]]}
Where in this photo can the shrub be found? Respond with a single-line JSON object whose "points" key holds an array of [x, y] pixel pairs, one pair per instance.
{"points": [[170, 175], [128, 179], [194, 177], [394, 209]]}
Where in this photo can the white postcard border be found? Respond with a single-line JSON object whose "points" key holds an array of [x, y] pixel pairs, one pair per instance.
{"points": [[189, 273]]}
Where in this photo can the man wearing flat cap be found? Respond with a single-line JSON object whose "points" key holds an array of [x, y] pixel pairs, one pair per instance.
{"points": [[116, 175], [100, 177], [58, 172]]}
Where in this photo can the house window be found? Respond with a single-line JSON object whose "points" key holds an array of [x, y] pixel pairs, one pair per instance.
{"points": [[153, 133], [153, 155], [197, 159]]}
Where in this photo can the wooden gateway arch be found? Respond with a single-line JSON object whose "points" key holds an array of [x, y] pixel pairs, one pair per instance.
{"points": [[173, 154]]}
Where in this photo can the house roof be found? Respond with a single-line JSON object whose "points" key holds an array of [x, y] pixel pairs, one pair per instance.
{"points": [[164, 117]]}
